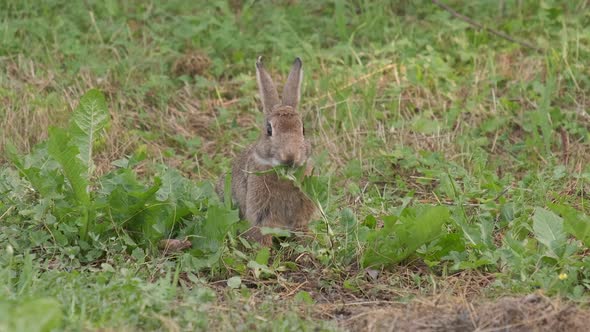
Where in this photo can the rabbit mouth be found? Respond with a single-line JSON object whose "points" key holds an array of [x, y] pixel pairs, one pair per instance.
{"points": [[273, 162], [266, 161]]}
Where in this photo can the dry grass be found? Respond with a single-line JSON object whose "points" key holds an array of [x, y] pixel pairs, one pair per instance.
{"points": [[192, 63], [24, 121], [188, 115], [456, 304], [533, 312]]}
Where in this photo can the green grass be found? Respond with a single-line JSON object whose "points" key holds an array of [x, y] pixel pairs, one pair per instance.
{"points": [[448, 159]]}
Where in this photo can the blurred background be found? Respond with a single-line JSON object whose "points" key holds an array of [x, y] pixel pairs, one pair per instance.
{"points": [[379, 76]]}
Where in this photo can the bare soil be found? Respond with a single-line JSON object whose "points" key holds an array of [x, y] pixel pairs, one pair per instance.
{"points": [[532, 312]]}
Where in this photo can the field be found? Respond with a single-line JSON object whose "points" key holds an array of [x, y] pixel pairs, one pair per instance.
{"points": [[451, 165]]}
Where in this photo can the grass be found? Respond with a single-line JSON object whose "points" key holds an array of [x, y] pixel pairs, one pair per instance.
{"points": [[411, 111]]}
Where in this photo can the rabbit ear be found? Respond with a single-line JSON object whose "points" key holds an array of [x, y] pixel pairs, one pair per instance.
{"points": [[268, 92], [292, 89]]}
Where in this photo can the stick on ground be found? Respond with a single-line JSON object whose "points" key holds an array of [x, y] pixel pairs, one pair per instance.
{"points": [[478, 25]]}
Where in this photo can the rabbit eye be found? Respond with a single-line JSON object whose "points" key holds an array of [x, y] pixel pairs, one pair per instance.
{"points": [[268, 129]]}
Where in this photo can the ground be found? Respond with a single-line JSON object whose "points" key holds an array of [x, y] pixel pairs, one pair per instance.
{"points": [[451, 151]]}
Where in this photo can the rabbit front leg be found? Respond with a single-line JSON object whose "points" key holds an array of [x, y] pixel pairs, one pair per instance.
{"points": [[259, 218], [259, 213], [220, 187]]}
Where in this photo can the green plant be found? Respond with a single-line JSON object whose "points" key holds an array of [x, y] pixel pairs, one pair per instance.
{"points": [[83, 211], [411, 109], [403, 234]]}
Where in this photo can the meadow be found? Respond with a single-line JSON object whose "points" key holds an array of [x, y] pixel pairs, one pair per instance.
{"points": [[451, 152]]}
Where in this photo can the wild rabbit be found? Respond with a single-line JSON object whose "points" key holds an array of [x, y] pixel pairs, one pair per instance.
{"points": [[264, 199]]}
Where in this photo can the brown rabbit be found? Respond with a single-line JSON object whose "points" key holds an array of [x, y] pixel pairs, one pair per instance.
{"points": [[264, 199]]}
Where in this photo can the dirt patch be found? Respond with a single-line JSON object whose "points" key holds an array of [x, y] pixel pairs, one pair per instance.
{"points": [[192, 63], [529, 313], [399, 308], [392, 301]]}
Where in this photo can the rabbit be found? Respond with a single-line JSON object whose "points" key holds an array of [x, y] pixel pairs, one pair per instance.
{"points": [[264, 199]]}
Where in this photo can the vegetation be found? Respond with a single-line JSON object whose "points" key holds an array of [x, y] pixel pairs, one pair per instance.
{"points": [[451, 165]]}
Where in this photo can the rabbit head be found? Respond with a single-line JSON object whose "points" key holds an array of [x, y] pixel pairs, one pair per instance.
{"points": [[282, 140]]}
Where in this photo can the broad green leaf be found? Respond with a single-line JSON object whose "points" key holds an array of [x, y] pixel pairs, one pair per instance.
{"points": [[12, 154], [314, 187], [87, 122], [317, 188], [548, 229], [442, 246], [176, 187], [212, 231], [38, 168], [471, 232], [260, 270], [198, 260], [65, 154], [262, 256], [402, 236], [575, 223], [234, 282], [133, 205]]}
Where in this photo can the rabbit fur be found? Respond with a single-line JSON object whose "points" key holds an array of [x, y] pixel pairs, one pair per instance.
{"points": [[266, 200]]}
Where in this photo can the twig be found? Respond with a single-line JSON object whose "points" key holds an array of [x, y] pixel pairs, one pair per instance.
{"points": [[355, 81], [478, 25], [294, 289], [6, 212], [565, 143], [502, 193]]}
